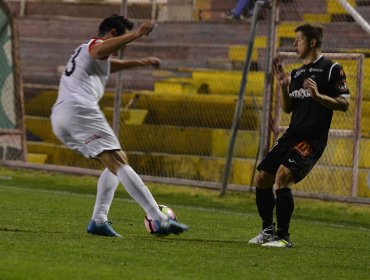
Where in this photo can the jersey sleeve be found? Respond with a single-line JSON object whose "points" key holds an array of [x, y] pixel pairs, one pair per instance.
{"points": [[338, 83], [93, 43]]}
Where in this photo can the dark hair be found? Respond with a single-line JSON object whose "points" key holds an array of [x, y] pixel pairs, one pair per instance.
{"points": [[311, 31], [119, 23]]}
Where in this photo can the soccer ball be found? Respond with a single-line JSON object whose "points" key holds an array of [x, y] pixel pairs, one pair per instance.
{"points": [[149, 223]]}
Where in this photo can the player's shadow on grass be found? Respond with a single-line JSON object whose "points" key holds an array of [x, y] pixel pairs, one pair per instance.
{"points": [[198, 240], [28, 231], [17, 230]]}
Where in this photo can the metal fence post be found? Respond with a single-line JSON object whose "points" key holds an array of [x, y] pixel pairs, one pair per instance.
{"points": [[240, 103], [264, 140]]}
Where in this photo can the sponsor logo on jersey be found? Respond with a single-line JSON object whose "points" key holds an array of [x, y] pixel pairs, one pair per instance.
{"points": [[300, 93], [92, 138], [299, 72], [303, 148], [315, 70], [341, 85]]}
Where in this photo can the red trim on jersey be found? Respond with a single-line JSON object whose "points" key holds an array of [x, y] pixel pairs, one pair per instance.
{"points": [[94, 42]]}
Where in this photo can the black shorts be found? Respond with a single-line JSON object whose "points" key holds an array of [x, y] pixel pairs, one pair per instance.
{"points": [[298, 156]]}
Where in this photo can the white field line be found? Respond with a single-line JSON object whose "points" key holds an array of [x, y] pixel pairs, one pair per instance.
{"points": [[198, 208]]}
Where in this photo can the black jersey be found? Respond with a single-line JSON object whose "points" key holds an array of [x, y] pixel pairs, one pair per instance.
{"points": [[310, 120]]}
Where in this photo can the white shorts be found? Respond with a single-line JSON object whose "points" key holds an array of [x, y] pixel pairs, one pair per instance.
{"points": [[83, 129]]}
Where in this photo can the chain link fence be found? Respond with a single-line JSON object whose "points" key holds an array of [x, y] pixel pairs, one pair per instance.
{"points": [[175, 121], [12, 146]]}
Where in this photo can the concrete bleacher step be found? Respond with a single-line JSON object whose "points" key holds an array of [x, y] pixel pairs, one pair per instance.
{"points": [[228, 82], [165, 139], [345, 120], [333, 11], [195, 110], [128, 116], [212, 81], [36, 158], [303, 10], [55, 54], [334, 7], [203, 141], [317, 18], [187, 140], [339, 152], [85, 9], [334, 180], [180, 86], [167, 33], [40, 129], [201, 110], [211, 10], [233, 65], [204, 168], [286, 34], [193, 167], [293, 9], [39, 103], [59, 154], [172, 42], [238, 52], [198, 110], [364, 10], [347, 33]]}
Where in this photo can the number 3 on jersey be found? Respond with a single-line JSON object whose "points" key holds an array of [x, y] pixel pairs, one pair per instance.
{"points": [[71, 65]]}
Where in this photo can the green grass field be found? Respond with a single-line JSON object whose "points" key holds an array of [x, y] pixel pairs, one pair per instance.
{"points": [[42, 235]]}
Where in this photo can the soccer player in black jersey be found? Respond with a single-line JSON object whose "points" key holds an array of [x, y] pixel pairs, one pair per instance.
{"points": [[311, 93]]}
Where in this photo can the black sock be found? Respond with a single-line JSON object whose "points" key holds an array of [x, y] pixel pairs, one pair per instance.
{"points": [[284, 211], [265, 201]]}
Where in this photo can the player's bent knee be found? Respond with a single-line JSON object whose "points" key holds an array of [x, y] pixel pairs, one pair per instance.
{"points": [[264, 180], [120, 156], [113, 159], [284, 178]]}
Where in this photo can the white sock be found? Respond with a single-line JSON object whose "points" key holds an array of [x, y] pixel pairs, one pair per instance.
{"points": [[138, 191], [107, 185]]}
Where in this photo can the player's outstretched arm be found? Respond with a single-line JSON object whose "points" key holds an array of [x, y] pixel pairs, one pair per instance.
{"points": [[111, 45], [122, 64]]}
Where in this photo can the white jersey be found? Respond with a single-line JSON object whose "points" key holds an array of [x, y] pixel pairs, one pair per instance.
{"points": [[76, 117], [85, 77]]}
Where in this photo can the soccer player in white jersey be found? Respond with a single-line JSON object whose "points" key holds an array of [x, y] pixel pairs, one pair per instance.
{"points": [[80, 124]]}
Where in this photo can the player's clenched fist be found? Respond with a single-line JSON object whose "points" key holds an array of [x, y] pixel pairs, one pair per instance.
{"points": [[154, 61], [279, 74], [311, 85], [145, 28]]}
